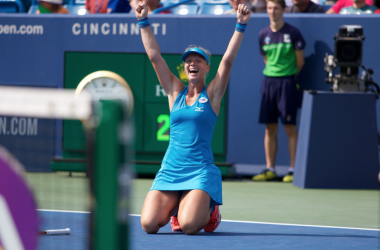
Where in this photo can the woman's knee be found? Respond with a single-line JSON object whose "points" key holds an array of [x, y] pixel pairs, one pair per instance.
{"points": [[190, 228], [194, 210], [151, 224], [156, 210], [150, 227]]}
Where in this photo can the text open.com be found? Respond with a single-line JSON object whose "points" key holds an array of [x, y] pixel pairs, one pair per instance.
{"points": [[22, 29]]}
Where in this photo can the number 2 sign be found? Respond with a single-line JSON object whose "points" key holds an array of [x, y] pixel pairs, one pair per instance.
{"points": [[163, 132]]}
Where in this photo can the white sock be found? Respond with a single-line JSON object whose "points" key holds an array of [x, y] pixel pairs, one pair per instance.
{"points": [[271, 169], [291, 170]]}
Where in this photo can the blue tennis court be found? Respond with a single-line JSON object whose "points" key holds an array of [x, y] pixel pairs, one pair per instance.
{"points": [[229, 235]]}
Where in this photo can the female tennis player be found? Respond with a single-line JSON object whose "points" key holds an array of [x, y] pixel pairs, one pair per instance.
{"points": [[188, 186]]}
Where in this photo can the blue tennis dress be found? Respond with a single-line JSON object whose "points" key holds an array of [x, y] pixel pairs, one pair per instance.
{"points": [[189, 163]]}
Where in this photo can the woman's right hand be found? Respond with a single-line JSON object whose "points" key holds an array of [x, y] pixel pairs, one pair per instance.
{"points": [[141, 10], [243, 13]]}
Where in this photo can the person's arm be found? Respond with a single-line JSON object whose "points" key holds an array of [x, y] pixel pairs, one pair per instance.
{"points": [[299, 45], [63, 10], [300, 60], [265, 58], [335, 9], [330, 11], [218, 85], [171, 84], [88, 5]]}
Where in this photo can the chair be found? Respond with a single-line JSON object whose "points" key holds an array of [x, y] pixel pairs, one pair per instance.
{"points": [[185, 9], [26, 4], [199, 2], [11, 6], [216, 1], [165, 2], [214, 7], [76, 7], [34, 7], [172, 4]]}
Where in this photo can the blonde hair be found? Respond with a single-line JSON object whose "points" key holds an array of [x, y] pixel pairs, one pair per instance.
{"points": [[208, 53]]}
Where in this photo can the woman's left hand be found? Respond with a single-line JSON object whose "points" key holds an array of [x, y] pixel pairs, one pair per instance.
{"points": [[243, 14]]}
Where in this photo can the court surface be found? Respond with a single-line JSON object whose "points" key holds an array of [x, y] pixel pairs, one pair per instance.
{"points": [[244, 200], [276, 207], [229, 235]]}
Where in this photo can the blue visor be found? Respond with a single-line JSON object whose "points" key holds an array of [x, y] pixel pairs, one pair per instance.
{"points": [[195, 50]]}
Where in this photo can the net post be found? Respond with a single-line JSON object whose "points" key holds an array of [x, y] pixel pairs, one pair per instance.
{"points": [[111, 178]]}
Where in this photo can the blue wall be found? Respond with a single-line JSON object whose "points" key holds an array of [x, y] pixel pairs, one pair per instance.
{"points": [[37, 59]]}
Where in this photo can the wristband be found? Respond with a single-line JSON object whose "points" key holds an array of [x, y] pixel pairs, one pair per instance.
{"points": [[240, 27], [144, 22]]}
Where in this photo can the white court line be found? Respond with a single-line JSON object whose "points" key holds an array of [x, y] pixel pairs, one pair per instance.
{"points": [[300, 225], [284, 224], [241, 221], [63, 211]]}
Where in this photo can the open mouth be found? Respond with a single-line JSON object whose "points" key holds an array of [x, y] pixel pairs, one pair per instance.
{"points": [[193, 71]]}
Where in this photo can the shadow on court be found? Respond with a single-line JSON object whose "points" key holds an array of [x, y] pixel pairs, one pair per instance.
{"points": [[229, 235]]}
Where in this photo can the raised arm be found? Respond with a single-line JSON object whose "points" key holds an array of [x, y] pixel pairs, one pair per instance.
{"points": [[217, 87], [171, 84]]}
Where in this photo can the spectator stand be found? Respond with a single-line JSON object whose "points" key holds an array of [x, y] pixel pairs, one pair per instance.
{"points": [[191, 7], [180, 7], [76, 7], [188, 8], [214, 7], [11, 6]]}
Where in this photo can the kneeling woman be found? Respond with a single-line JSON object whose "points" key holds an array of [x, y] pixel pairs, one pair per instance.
{"points": [[188, 187]]}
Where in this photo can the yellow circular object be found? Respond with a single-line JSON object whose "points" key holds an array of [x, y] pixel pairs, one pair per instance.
{"points": [[107, 85]]}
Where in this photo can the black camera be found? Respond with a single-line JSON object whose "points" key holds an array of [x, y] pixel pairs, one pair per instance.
{"points": [[348, 57], [349, 49]]}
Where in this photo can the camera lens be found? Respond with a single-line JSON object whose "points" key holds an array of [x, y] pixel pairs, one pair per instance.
{"points": [[349, 52]]}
